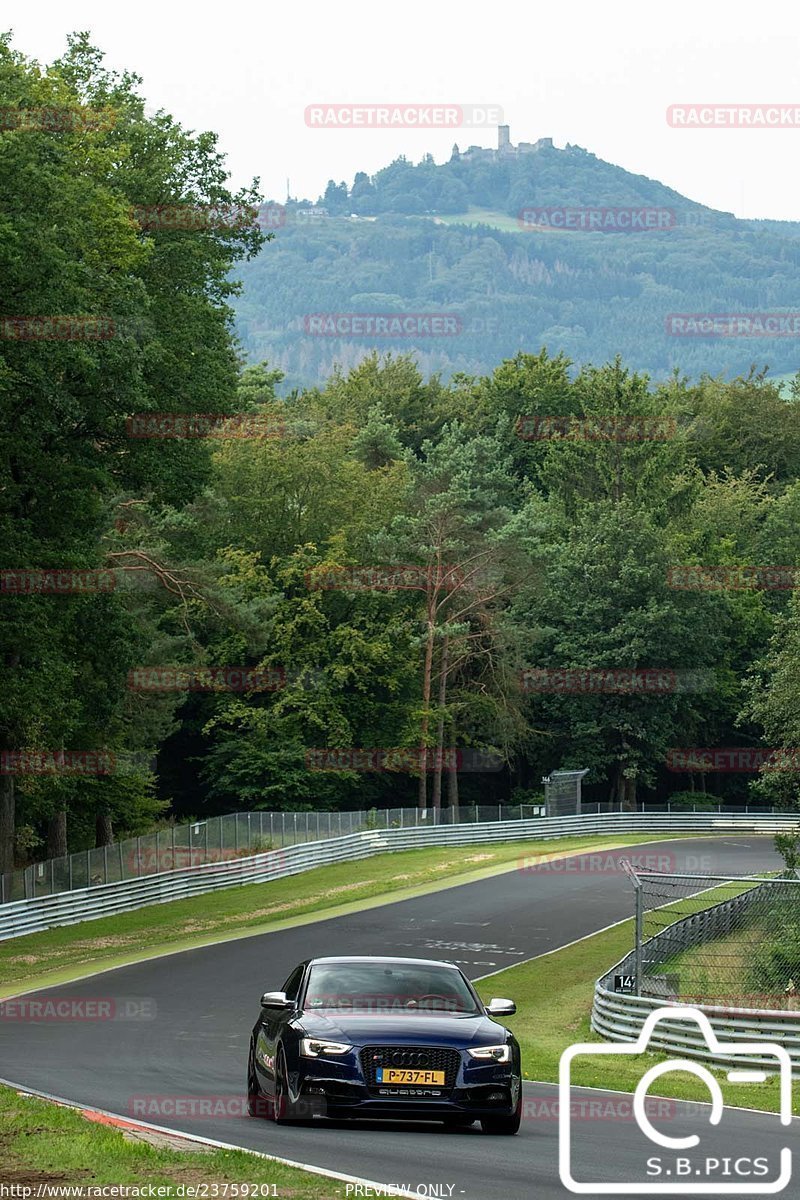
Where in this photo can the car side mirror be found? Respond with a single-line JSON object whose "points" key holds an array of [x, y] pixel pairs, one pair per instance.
{"points": [[275, 1000], [500, 1008]]}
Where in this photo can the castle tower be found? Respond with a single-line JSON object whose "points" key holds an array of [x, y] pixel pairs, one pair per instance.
{"points": [[503, 137]]}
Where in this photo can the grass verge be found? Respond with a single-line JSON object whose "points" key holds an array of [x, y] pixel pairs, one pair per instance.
{"points": [[60, 955], [554, 994], [42, 1143]]}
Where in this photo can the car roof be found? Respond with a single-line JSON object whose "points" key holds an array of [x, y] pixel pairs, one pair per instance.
{"points": [[379, 958]]}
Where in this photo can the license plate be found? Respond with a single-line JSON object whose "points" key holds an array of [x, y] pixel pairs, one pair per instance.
{"points": [[396, 1075]]}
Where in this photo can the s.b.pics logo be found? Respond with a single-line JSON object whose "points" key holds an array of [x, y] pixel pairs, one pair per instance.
{"points": [[708, 1159]]}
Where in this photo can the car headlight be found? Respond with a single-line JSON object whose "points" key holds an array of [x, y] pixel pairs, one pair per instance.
{"points": [[313, 1047], [495, 1053]]}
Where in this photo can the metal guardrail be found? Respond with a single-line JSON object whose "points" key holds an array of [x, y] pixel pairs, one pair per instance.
{"points": [[620, 1016], [67, 908], [220, 839]]}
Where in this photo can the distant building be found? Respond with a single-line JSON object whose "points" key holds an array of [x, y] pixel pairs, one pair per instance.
{"points": [[505, 148]]}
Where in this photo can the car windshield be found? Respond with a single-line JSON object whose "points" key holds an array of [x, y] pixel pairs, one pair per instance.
{"points": [[389, 988]]}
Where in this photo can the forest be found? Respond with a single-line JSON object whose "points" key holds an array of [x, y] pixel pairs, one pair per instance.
{"points": [[393, 586]]}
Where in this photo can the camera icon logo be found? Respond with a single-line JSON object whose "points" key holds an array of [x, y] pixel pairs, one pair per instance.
{"points": [[677, 1171]]}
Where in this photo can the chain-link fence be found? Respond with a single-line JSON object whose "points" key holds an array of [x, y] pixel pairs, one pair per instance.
{"points": [[706, 939], [219, 839]]}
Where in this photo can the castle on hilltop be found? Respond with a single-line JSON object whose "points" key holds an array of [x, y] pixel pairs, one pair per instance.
{"points": [[504, 148]]}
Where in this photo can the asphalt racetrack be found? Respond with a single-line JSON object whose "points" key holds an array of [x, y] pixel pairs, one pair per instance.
{"points": [[183, 1026]]}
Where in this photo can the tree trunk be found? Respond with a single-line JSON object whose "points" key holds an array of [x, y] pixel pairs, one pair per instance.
{"points": [[422, 799], [436, 799], [7, 823], [104, 829], [57, 835], [629, 795]]}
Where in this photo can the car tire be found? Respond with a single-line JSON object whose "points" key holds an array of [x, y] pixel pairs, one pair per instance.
{"points": [[282, 1107], [504, 1125], [257, 1105]]}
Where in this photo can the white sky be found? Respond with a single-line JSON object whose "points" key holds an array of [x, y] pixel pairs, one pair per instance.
{"points": [[599, 75]]}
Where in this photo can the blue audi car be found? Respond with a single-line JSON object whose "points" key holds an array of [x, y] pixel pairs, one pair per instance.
{"points": [[387, 1038]]}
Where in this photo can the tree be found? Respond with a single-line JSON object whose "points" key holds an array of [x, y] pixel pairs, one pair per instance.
{"points": [[161, 296]]}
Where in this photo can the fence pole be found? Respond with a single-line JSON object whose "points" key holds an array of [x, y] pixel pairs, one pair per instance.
{"points": [[105, 864], [121, 872], [637, 960], [173, 846]]}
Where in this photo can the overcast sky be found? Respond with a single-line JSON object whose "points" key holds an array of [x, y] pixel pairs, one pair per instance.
{"points": [[599, 75]]}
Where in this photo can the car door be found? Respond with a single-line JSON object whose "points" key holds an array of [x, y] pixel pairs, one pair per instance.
{"points": [[273, 1022]]}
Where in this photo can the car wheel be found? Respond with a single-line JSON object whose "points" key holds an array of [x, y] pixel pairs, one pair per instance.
{"points": [[282, 1107], [256, 1100], [507, 1124]]}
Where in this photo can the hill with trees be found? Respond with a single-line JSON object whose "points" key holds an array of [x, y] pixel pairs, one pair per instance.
{"points": [[467, 238]]}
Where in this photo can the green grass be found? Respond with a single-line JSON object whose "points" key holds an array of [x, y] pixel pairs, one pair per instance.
{"points": [[483, 216], [59, 955], [554, 996], [45, 1143]]}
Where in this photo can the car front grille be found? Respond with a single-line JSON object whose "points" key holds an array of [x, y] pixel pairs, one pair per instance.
{"points": [[420, 1058]]}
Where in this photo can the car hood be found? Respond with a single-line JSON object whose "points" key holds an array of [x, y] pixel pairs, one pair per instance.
{"points": [[412, 1029]]}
